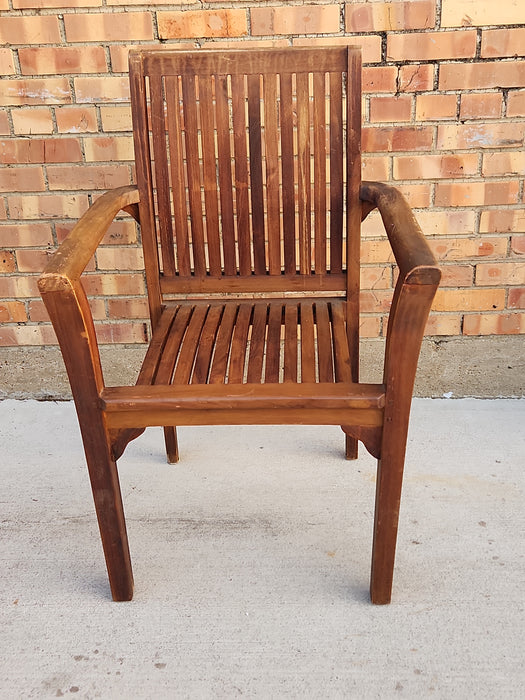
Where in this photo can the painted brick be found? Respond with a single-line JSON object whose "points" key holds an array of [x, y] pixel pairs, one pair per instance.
{"points": [[64, 59], [508, 163], [102, 89], [469, 300], [500, 273], [431, 46], [389, 16], [22, 179], [429, 167], [54, 206], [485, 105], [472, 194], [76, 120], [509, 221], [7, 62], [87, 177], [494, 324], [478, 76], [12, 312], [404, 138], [414, 78], [202, 23], [390, 109], [35, 91], [7, 262], [30, 235], [379, 79], [109, 148], [516, 298], [303, 19], [480, 136], [516, 103], [116, 118], [112, 26], [517, 245], [466, 248], [477, 13], [38, 120], [503, 42], [30, 30], [434, 107], [371, 50]]}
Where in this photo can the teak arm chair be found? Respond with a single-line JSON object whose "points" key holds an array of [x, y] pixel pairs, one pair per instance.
{"points": [[249, 200]]}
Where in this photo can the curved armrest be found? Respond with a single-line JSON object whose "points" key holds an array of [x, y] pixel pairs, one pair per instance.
{"points": [[71, 258], [410, 248]]}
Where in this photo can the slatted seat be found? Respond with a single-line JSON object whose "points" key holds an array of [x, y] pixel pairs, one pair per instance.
{"points": [[249, 199]]}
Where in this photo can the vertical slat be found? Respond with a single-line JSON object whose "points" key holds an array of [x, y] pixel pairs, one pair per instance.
{"points": [[271, 140], [324, 342], [273, 344], [225, 174], [239, 343], [189, 345], [206, 344], [162, 180], [303, 174], [180, 214], [353, 208], [173, 343], [343, 371], [193, 170], [257, 343], [256, 173], [336, 172], [241, 174], [221, 355], [290, 343], [288, 179], [211, 202], [320, 172], [307, 343]]}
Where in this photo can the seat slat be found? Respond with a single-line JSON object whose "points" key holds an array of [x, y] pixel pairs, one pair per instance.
{"points": [[308, 373], [273, 343], [257, 344], [239, 344], [290, 342], [150, 365], [172, 346], [206, 345], [324, 342], [343, 372], [221, 355], [189, 346]]}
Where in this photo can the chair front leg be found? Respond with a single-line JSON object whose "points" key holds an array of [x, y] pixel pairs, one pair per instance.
{"points": [[172, 445]]}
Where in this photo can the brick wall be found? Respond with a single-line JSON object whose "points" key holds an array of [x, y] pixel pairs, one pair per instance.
{"points": [[444, 110]]}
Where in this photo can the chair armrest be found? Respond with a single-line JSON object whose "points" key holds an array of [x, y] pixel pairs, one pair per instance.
{"points": [[71, 258], [411, 251]]}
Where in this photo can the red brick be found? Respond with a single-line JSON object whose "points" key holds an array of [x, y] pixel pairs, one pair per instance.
{"points": [[390, 109], [502, 221], [443, 324], [120, 258], [62, 150], [476, 76], [116, 117], [5, 129], [26, 235], [27, 335], [450, 222], [466, 248], [121, 332], [64, 59], [37, 120], [480, 136], [22, 179], [128, 308], [202, 23], [375, 301], [457, 275], [503, 42], [108, 284], [469, 300], [376, 277], [516, 103], [7, 63], [303, 19], [109, 148], [517, 245], [7, 262], [379, 78], [494, 324], [467, 13], [35, 91], [483, 105], [48, 206], [12, 312], [36, 4], [18, 287], [76, 120], [472, 194], [431, 46], [516, 298], [418, 196], [414, 78], [111, 26], [506, 163], [370, 44], [30, 30], [404, 138], [87, 177], [430, 167], [500, 273], [32, 260], [369, 327], [102, 89], [434, 107], [389, 16], [375, 168], [17, 151]]}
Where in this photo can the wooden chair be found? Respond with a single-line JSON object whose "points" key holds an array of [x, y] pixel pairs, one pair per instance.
{"points": [[249, 200]]}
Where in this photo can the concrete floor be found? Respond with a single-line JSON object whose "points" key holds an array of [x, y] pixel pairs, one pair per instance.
{"points": [[251, 562]]}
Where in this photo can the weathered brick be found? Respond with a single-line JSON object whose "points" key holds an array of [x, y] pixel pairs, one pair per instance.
{"points": [[457, 275], [390, 109], [12, 312], [54, 206], [431, 46], [37, 120], [18, 151], [32, 260], [102, 89], [302, 19], [498, 273], [109, 148], [443, 324], [121, 233], [472, 194], [494, 324], [63, 59], [35, 91], [379, 78], [507, 163], [469, 300], [389, 16], [44, 4], [369, 327], [22, 179], [30, 235], [370, 44], [480, 136], [501, 221], [18, 287], [76, 120], [430, 167], [5, 128], [120, 259], [404, 138], [7, 261], [484, 105], [479, 76], [116, 118], [376, 277], [516, 103], [111, 26], [418, 196], [109, 284], [121, 332], [416, 78], [450, 222], [516, 298], [375, 168], [202, 23], [27, 335], [478, 13], [128, 308], [434, 107], [503, 42], [466, 248], [87, 177], [7, 62], [30, 30], [517, 245]]}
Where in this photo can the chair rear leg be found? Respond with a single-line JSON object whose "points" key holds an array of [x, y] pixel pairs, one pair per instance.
{"points": [[172, 445], [351, 447]]}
